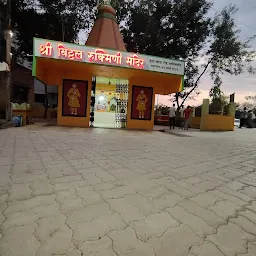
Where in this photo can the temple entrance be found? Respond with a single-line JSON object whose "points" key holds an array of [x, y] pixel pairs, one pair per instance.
{"points": [[110, 102]]}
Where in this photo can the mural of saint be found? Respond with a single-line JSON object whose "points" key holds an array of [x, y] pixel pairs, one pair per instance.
{"points": [[141, 105], [73, 95]]}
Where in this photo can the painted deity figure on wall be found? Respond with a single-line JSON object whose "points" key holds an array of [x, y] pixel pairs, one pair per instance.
{"points": [[73, 95], [141, 105]]}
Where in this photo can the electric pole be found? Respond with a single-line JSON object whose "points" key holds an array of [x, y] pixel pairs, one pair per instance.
{"points": [[8, 60]]}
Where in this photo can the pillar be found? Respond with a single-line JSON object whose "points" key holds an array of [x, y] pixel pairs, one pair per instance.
{"points": [[204, 114], [205, 107], [191, 116], [232, 109], [194, 111]]}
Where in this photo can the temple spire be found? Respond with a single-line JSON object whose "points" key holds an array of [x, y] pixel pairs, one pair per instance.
{"points": [[105, 32]]}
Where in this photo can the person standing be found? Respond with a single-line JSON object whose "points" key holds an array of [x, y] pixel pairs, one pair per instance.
{"points": [[172, 115], [181, 115], [253, 119], [250, 119], [187, 113], [182, 110], [243, 117]]}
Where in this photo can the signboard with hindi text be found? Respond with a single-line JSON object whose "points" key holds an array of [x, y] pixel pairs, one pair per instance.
{"points": [[74, 52]]}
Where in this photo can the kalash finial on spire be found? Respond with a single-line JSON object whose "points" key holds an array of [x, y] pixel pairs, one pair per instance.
{"points": [[104, 2], [104, 6]]}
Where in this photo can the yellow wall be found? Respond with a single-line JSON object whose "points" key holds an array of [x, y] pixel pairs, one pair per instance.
{"points": [[217, 123], [52, 72], [195, 123], [55, 77], [164, 83]]}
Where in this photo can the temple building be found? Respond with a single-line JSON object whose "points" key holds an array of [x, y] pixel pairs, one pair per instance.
{"points": [[100, 84]]}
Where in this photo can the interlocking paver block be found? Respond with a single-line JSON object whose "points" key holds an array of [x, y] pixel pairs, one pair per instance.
{"points": [[231, 239], [87, 213], [31, 203], [127, 211], [126, 243], [251, 250], [154, 225], [207, 248], [18, 241], [208, 216], [225, 209], [176, 241], [97, 228], [54, 235], [29, 216], [98, 248], [198, 225], [74, 192], [19, 192], [68, 200], [245, 224], [205, 199]]}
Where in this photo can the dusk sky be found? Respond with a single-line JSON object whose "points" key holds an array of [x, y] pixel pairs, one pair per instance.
{"points": [[243, 85]]}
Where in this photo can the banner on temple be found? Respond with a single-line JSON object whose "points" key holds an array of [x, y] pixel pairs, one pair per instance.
{"points": [[81, 53]]}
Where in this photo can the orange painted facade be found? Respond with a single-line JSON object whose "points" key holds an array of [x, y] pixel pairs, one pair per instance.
{"points": [[52, 72]]}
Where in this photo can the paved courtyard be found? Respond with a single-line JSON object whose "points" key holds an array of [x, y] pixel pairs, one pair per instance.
{"points": [[75, 192]]}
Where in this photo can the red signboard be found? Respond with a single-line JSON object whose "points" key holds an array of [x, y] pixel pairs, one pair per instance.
{"points": [[74, 98], [141, 102]]}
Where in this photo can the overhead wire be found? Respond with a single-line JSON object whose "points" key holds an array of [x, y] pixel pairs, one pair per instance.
{"points": [[250, 3], [238, 22]]}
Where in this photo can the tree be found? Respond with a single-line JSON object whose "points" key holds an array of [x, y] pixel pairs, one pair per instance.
{"points": [[179, 29], [171, 29], [218, 100], [59, 20], [251, 98], [182, 30], [226, 53], [250, 102]]}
